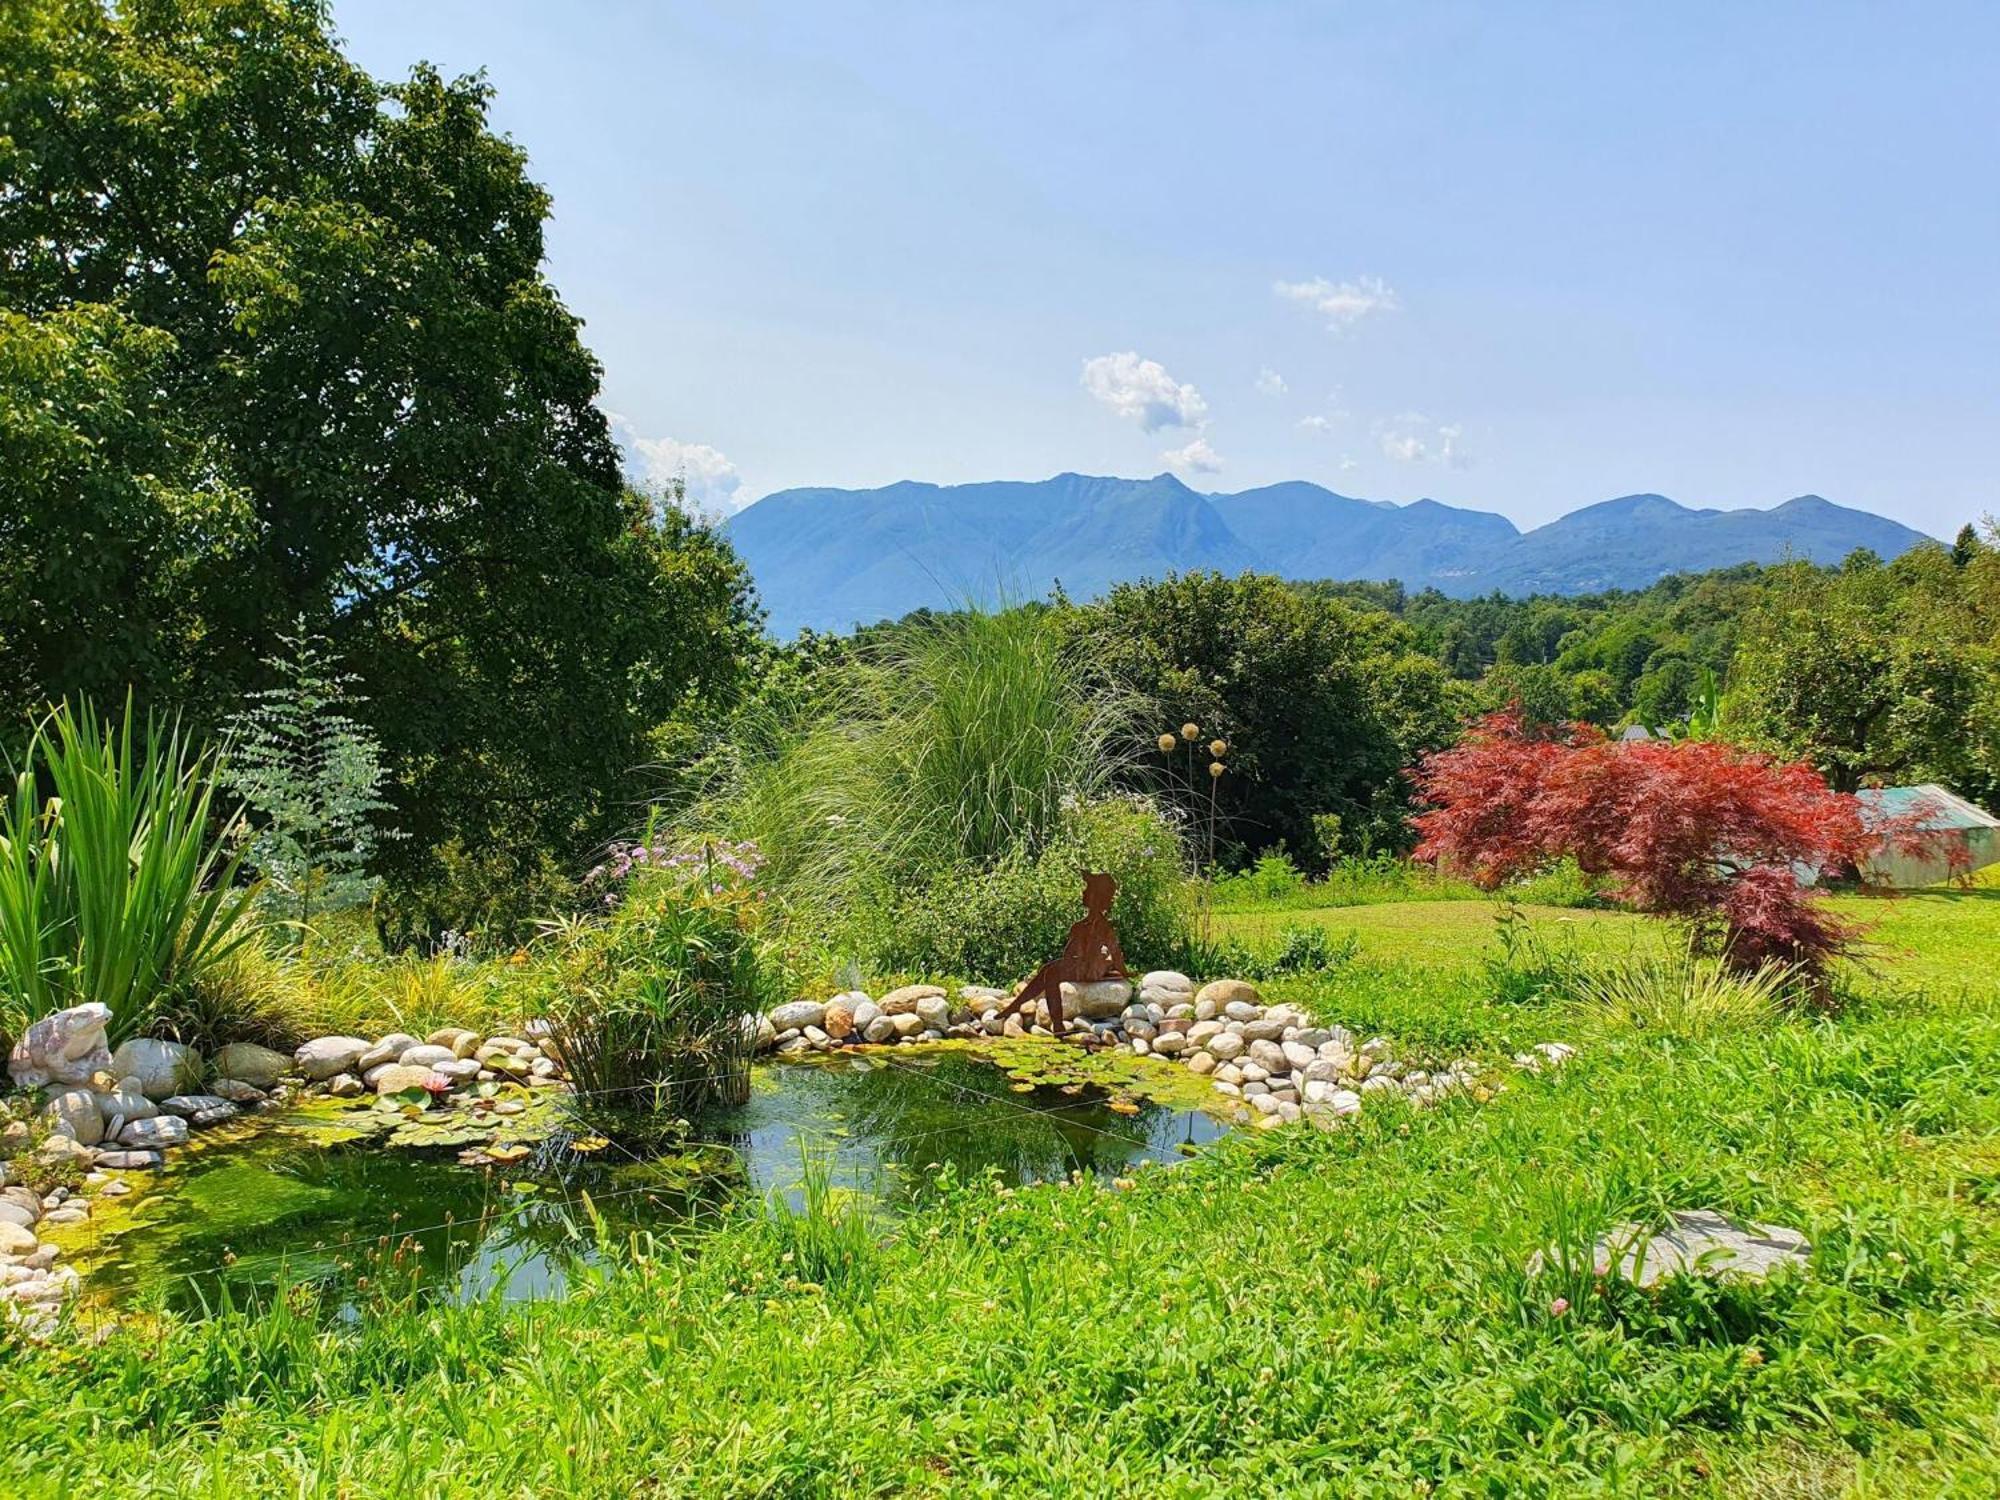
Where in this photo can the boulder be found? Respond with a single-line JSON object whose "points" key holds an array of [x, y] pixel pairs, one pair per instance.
{"points": [[1098, 1001], [462, 1043], [21, 1206], [161, 1067], [236, 1091], [1167, 979], [839, 1019], [66, 1046], [387, 1050], [124, 1103], [14, 1240], [322, 1057], [903, 1002], [128, 1161], [1694, 1242], [1221, 992], [934, 1011], [396, 1077], [866, 1012], [189, 1106], [426, 1055], [346, 1085], [151, 1135], [906, 1025], [1201, 1062], [460, 1070], [798, 1014], [76, 1111], [246, 1062], [880, 1028], [1225, 1045]]}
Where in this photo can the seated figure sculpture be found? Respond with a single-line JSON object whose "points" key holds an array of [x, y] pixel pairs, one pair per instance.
{"points": [[1090, 953]]}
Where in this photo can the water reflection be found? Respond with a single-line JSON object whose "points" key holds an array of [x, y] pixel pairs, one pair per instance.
{"points": [[357, 1222]]}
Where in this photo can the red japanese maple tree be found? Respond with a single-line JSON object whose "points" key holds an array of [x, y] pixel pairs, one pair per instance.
{"points": [[1710, 833]]}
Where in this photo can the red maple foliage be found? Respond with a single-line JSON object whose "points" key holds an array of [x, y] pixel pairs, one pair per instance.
{"points": [[1710, 833]]}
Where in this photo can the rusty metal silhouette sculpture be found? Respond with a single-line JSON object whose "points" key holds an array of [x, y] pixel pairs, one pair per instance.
{"points": [[1090, 953]]}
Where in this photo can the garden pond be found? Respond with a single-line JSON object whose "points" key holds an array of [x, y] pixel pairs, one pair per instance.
{"points": [[322, 1200]]}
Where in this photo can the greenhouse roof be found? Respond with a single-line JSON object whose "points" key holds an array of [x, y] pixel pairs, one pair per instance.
{"points": [[1944, 809]]}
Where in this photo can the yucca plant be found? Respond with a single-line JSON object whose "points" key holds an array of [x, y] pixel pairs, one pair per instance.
{"points": [[120, 885]]}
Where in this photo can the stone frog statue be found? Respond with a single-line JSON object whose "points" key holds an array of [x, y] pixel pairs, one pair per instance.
{"points": [[1090, 953], [66, 1046]]}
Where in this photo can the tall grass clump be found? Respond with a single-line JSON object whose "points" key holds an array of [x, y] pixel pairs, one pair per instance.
{"points": [[1686, 995], [954, 764], [118, 886], [654, 1008]]}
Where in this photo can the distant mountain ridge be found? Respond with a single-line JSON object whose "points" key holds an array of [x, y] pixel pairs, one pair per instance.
{"points": [[833, 559]]}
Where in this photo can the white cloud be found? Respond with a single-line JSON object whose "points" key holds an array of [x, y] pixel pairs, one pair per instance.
{"points": [[1270, 382], [1326, 421], [1341, 303], [1414, 438], [1196, 458], [1143, 390], [711, 483]]}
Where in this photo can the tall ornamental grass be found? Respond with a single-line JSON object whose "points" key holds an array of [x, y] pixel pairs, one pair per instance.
{"points": [[119, 887], [939, 756]]}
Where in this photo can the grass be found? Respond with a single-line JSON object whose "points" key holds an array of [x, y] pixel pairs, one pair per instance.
{"points": [[1337, 1314], [1944, 938]]}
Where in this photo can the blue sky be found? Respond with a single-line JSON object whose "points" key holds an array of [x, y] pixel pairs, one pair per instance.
{"points": [[1515, 256]]}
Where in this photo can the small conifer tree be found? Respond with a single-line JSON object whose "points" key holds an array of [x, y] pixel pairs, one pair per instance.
{"points": [[310, 775]]}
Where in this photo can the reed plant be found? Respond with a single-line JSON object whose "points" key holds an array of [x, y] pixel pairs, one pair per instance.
{"points": [[117, 884], [654, 1009]]}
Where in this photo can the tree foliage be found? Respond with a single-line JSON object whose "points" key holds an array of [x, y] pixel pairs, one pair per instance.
{"points": [[1701, 831], [1323, 704], [276, 344]]}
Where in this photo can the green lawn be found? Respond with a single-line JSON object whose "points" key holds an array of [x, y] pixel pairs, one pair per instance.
{"points": [[1293, 1312], [1942, 938]]}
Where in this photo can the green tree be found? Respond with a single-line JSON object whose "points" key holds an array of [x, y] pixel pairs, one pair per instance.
{"points": [[1323, 705], [278, 346]]}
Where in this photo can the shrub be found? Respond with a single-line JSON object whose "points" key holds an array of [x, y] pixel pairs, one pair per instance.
{"points": [[647, 1008], [1302, 950], [1001, 921], [1273, 878], [118, 888], [1700, 831], [311, 776]]}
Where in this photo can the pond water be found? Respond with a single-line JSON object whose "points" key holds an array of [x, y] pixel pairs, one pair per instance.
{"points": [[353, 1220]]}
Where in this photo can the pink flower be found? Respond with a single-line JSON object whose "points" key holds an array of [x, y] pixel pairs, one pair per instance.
{"points": [[1558, 1307]]}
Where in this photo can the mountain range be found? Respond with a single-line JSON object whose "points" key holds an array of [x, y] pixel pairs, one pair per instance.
{"points": [[833, 559]]}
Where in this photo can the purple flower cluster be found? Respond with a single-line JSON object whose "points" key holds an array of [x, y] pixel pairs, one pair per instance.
{"points": [[717, 862]]}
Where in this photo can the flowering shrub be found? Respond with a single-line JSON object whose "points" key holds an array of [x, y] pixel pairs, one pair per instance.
{"points": [[1699, 830]]}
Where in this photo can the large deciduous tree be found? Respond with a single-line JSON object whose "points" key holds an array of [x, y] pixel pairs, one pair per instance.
{"points": [[275, 343], [1323, 704]]}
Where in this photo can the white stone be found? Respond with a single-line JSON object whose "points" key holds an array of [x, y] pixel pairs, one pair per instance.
{"points": [[322, 1057], [423, 1055], [797, 1015], [161, 1130], [162, 1067], [387, 1049], [246, 1062], [1225, 1045], [77, 1112]]}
